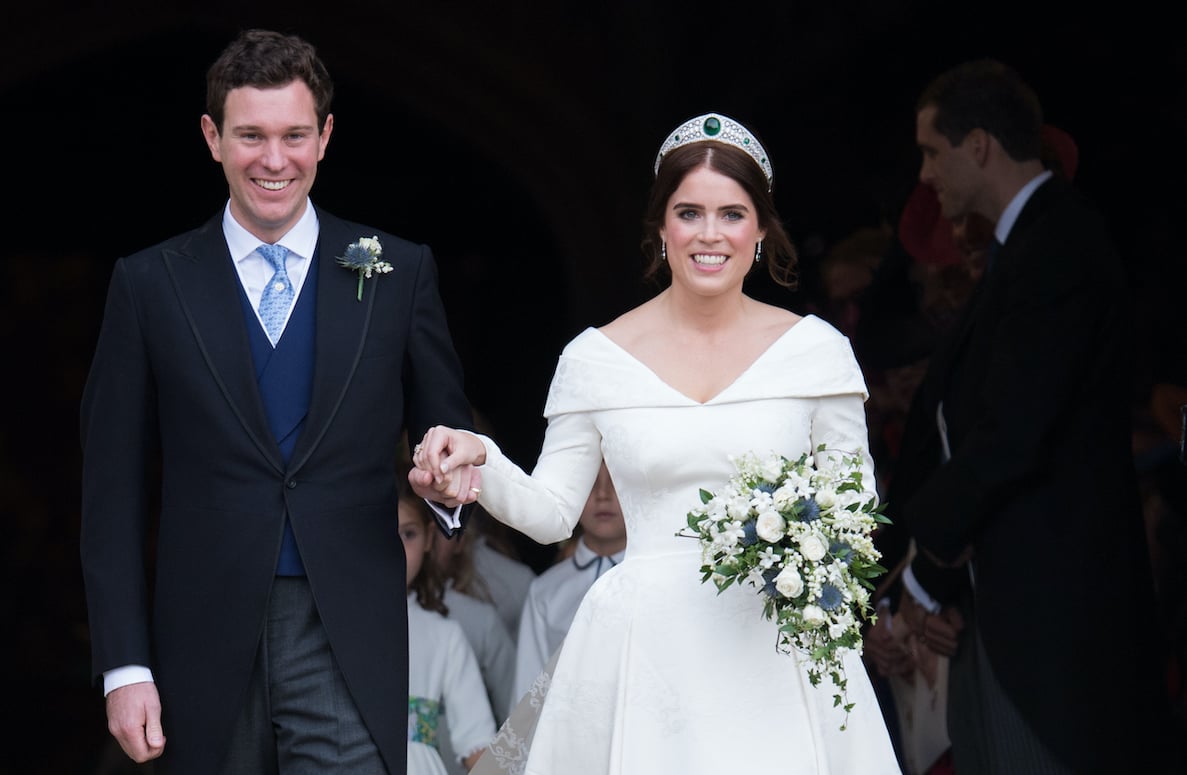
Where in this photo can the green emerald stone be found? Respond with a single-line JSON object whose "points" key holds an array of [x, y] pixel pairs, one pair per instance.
{"points": [[712, 126]]}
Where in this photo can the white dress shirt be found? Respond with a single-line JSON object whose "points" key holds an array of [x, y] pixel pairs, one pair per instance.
{"points": [[255, 271]]}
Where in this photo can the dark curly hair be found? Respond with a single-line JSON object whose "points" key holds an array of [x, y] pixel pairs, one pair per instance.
{"points": [[267, 60]]}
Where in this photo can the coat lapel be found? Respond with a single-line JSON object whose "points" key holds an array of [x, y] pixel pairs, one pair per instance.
{"points": [[341, 330], [949, 356], [208, 288]]}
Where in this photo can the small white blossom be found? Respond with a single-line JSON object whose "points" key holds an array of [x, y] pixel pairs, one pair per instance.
{"points": [[767, 558], [737, 506]]}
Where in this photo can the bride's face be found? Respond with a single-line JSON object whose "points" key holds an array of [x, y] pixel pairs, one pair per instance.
{"points": [[711, 230]]}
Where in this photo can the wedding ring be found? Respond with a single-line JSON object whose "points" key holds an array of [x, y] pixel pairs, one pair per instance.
{"points": [[475, 490], [416, 450]]}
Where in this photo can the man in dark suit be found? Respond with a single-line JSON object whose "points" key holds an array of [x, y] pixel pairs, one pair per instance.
{"points": [[265, 388], [1016, 476]]}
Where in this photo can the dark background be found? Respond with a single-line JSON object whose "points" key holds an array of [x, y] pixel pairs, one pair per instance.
{"points": [[516, 139]]}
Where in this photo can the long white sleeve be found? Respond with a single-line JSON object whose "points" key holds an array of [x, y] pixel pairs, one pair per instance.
{"points": [[546, 505]]}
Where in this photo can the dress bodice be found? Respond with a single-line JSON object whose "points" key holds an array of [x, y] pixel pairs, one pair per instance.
{"points": [[661, 447]]}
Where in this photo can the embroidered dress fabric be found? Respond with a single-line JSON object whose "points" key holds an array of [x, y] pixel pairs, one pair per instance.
{"points": [[659, 672], [551, 604]]}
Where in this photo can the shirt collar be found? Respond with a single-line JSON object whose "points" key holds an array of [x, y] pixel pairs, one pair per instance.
{"points": [[1006, 222], [301, 240], [584, 558]]}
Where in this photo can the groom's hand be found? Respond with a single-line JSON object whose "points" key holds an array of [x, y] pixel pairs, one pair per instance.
{"points": [[456, 488], [134, 720]]}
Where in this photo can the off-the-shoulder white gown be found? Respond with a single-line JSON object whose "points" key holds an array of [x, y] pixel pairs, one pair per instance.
{"points": [[659, 673]]}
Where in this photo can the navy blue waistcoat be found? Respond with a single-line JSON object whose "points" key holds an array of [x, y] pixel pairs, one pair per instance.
{"points": [[284, 375]]}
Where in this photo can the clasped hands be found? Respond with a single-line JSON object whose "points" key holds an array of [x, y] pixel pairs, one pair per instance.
{"points": [[447, 466], [931, 635], [939, 632]]}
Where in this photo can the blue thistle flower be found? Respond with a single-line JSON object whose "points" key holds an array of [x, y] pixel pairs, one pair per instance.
{"points": [[841, 550], [766, 487], [830, 597], [769, 576], [357, 257], [749, 533], [808, 509]]}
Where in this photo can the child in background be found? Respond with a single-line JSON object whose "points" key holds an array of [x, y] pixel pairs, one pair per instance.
{"points": [[471, 605], [554, 595], [443, 675]]}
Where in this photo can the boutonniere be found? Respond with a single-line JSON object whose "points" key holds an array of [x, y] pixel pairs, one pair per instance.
{"points": [[363, 257]]}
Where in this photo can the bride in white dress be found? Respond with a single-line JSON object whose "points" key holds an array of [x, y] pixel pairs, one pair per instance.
{"points": [[659, 673]]}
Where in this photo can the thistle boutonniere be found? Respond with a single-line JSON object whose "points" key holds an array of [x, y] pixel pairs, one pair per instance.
{"points": [[362, 256]]}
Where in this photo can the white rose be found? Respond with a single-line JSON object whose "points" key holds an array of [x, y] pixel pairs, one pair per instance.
{"points": [[826, 498], [789, 583], [772, 469], [770, 526], [813, 615], [812, 547], [784, 496]]}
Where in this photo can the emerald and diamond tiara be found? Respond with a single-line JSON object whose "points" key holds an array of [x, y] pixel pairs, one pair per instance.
{"points": [[714, 126]]}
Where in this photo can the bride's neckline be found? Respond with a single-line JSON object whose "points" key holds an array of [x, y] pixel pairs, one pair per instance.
{"points": [[737, 378]]}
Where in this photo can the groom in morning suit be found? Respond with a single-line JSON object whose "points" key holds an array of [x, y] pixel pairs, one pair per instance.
{"points": [[265, 389], [1016, 474]]}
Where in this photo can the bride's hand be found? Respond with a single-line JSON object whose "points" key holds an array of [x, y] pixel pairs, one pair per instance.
{"points": [[446, 461], [443, 449]]}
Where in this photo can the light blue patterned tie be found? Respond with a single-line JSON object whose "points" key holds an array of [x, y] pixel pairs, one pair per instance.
{"points": [[278, 293]]}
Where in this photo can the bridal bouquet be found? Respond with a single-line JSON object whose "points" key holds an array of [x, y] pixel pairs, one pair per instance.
{"points": [[798, 531]]}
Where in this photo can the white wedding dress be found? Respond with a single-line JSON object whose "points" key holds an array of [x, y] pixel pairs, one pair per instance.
{"points": [[659, 673]]}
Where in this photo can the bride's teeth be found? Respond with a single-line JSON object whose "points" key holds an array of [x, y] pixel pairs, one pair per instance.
{"points": [[712, 260], [272, 185]]}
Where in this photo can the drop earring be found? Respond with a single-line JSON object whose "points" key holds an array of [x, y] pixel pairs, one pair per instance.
{"points": [[663, 251], [758, 252]]}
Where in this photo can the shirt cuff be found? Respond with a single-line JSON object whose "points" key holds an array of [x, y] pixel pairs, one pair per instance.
{"points": [[124, 676], [917, 591], [449, 519]]}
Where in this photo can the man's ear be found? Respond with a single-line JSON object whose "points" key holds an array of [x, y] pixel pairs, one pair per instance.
{"points": [[980, 143], [324, 138], [210, 132]]}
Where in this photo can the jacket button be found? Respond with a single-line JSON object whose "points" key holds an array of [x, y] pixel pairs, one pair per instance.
{"points": [[292, 484]]}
